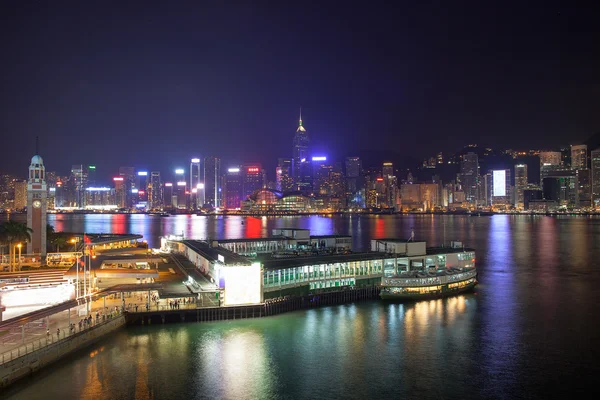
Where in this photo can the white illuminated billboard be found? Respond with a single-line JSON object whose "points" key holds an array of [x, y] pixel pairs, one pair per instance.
{"points": [[242, 284], [499, 183]]}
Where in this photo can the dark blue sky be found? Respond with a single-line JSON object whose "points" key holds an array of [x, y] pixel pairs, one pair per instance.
{"points": [[154, 82]]}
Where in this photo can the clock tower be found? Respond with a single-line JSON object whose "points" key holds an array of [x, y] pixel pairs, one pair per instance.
{"points": [[36, 206]]}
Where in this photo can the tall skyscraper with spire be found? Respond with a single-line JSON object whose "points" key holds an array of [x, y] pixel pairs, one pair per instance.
{"points": [[301, 157]]}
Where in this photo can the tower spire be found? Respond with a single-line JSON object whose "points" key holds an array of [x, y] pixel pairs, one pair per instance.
{"points": [[300, 121]]}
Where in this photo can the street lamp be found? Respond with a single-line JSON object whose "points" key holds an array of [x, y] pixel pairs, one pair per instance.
{"points": [[19, 246], [75, 240]]}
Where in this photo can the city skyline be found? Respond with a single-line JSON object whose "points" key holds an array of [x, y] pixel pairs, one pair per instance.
{"points": [[384, 83]]}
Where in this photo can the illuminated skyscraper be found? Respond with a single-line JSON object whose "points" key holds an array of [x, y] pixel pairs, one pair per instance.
{"points": [[128, 175], [301, 156], [284, 178], [194, 181], [469, 176], [253, 179], [550, 161], [20, 195], [78, 182], [579, 157], [595, 156], [154, 191], [120, 191], [233, 188], [91, 176], [212, 181], [520, 184]]}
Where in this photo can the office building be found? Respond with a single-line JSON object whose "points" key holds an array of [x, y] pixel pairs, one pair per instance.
{"points": [[20, 195], [253, 179], [212, 182], [98, 198], [120, 191], [469, 176], [501, 189], [561, 187], [579, 157], [195, 180], [233, 188], [128, 175], [167, 199], [355, 192], [283, 174], [584, 187], [520, 184], [78, 184], [390, 185], [301, 157], [549, 161], [595, 161], [154, 191]]}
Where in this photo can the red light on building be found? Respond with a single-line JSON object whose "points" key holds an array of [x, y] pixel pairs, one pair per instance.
{"points": [[379, 179], [141, 192], [187, 192], [253, 169], [118, 179]]}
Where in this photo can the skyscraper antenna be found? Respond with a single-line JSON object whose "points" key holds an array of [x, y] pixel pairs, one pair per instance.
{"points": [[300, 115]]}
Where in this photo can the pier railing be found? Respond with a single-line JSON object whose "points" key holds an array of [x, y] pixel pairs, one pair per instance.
{"points": [[56, 337]]}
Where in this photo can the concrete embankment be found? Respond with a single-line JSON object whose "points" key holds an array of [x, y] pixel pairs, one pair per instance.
{"points": [[269, 308], [23, 365]]}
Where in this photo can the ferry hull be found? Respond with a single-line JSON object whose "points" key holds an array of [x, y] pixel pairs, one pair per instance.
{"points": [[444, 292]]}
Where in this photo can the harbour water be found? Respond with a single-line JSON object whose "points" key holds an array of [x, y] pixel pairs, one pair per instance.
{"points": [[530, 330]]}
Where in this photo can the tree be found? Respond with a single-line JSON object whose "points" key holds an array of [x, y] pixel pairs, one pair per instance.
{"points": [[14, 232], [59, 241]]}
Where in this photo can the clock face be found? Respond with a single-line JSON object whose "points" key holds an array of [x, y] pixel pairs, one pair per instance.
{"points": [[37, 203]]}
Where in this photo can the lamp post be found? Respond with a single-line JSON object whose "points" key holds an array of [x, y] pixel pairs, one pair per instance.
{"points": [[19, 246], [75, 240]]}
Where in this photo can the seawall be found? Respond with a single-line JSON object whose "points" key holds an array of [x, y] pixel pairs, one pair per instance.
{"points": [[32, 361], [269, 308]]}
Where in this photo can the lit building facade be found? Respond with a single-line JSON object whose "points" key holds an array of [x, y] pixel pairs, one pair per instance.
{"points": [[20, 195], [100, 198], [520, 184], [301, 163], [78, 183], [154, 191], [584, 187], [469, 176], [283, 174], [195, 181], [120, 192], [128, 175], [253, 179], [595, 161], [212, 182], [234, 188], [579, 156], [549, 161]]}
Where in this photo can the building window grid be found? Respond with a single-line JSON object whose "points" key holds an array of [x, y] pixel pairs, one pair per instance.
{"points": [[341, 272]]}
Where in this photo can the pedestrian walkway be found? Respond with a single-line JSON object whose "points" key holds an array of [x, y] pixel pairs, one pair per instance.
{"points": [[52, 337]]}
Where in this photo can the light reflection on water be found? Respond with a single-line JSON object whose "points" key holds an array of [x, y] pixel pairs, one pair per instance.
{"points": [[530, 324]]}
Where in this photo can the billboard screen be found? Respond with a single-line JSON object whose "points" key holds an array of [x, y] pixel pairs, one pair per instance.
{"points": [[499, 183], [242, 284]]}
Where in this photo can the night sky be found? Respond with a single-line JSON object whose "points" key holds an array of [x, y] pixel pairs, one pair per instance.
{"points": [[152, 83]]}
